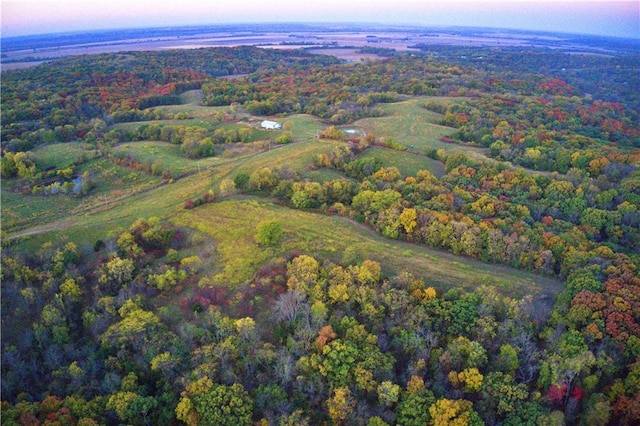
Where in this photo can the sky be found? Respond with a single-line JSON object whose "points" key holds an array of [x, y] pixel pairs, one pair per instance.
{"points": [[600, 17]]}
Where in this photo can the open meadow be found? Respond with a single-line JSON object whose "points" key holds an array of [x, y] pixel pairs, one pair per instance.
{"points": [[415, 127], [239, 255]]}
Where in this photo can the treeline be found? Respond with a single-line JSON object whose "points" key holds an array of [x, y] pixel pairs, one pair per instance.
{"points": [[305, 342], [479, 209]]}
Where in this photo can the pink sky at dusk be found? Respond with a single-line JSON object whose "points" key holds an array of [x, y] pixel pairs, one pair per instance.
{"points": [[617, 18]]}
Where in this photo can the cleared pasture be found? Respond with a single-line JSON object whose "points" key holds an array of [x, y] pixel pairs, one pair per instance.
{"points": [[295, 157], [302, 126], [410, 124], [123, 195], [167, 156], [204, 122], [232, 224], [111, 182], [408, 163], [21, 211], [192, 97], [115, 184], [106, 214], [324, 175], [60, 155]]}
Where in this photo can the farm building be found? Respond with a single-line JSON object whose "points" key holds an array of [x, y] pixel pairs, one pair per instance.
{"points": [[270, 125]]}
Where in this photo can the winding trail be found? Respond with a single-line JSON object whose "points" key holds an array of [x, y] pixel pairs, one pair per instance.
{"points": [[57, 225]]}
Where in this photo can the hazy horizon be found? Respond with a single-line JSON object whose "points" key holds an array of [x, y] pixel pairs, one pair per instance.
{"points": [[605, 18]]}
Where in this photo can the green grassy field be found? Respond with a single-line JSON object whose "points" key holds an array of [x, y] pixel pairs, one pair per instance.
{"points": [[302, 126], [409, 123], [193, 97], [295, 156], [191, 104], [20, 211], [169, 156], [232, 225], [407, 162], [105, 215], [204, 121], [112, 182], [60, 155], [324, 175]]}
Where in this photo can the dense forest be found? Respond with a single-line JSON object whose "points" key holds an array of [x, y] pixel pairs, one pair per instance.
{"points": [[132, 328]]}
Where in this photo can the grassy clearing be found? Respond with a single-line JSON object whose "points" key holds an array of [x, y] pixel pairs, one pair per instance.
{"points": [[168, 155], [123, 195], [207, 123], [113, 179], [295, 156], [191, 104], [111, 183], [324, 175], [20, 211], [406, 162], [302, 126], [105, 215], [232, 224], [409, 123], [60, 155], [445, 101]]}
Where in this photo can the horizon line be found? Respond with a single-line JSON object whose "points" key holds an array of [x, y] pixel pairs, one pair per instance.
{"points": [[318, 23]]}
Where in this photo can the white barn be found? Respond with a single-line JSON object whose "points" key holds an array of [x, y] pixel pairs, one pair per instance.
{"points": [[271, 125]]}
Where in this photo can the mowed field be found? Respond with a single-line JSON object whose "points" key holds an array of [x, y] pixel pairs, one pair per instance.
{"points": [[327, 237], [415, 127], [168, 155], [407, 163], [122, 195], [61, 155]]}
